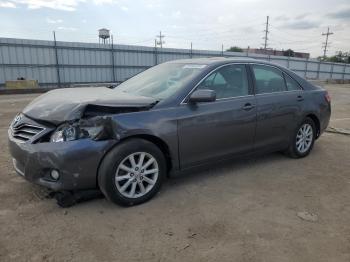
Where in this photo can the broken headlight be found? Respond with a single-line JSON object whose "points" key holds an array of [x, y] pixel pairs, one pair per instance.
{"points": [[72, 132]]}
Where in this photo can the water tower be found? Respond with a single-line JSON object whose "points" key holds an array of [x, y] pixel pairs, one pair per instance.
{"points": [[103, 34]]}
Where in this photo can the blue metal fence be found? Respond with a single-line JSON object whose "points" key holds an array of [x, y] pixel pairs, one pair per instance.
{"points": [[66, 63]]}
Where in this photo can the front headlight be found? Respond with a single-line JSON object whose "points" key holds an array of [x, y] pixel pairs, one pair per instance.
{"points": [[72, 132]]}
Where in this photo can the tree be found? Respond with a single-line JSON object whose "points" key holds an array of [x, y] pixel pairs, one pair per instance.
{"points": [[289, 52], [342, 57], [339, 57], [235, 49]]}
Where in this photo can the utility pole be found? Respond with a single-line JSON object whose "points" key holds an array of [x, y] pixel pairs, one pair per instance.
{"points": [[155, 52], [160, 42], [326, 43], [266, 33]]}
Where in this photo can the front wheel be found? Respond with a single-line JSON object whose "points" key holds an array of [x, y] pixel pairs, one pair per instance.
{"points": [[303, 139], [132, 172]]}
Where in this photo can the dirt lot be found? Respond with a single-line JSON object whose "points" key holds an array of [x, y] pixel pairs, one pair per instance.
{"points": [[243, 211]]}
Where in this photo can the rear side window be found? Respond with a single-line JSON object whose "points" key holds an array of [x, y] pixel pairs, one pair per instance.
{"points": [[291, 83], [228, 81], [268, 79]]}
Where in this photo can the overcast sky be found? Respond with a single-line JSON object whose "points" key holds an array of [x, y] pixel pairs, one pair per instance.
{"points": [[296, 24]]}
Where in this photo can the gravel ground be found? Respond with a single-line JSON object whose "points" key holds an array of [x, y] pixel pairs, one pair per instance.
{"points": [[270, 208]]}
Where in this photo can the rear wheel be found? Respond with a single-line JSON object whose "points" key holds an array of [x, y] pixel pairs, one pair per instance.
{"points": [[132, 172], [303, 139]]}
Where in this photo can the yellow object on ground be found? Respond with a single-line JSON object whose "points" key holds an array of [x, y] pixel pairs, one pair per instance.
{"points": [[21, 84]]}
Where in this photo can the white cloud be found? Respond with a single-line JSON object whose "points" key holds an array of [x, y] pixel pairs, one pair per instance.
{"points": [[102, 2], [153, 4], [207, 24], [65, 5], [176, 14], [63, 28], [7, 5], [54, 21], [124, 8]]}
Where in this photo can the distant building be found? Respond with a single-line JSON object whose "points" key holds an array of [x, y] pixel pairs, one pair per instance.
{"points": [[275, 52]]}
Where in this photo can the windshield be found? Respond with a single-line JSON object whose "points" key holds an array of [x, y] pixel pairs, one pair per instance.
{"points": [[161, 81]]}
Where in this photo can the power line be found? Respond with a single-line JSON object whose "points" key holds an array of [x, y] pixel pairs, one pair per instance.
{"points": [[285, 39], [326, 43], [287, 33], [211, 36], [142, 41], [213, 28]]}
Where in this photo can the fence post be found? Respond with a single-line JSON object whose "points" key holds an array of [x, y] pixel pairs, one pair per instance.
{"points": [[318, 69], [344, 69], [191, 51], [57, 64], [306, 62], [332, 68], [113, 67], [155, 53]]}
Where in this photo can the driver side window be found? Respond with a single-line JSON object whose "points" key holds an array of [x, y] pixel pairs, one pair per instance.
{"points": [[228, 81]]}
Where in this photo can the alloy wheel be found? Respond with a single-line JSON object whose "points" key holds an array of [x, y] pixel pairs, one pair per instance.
{"points": [[136, 174], [304, 138]]}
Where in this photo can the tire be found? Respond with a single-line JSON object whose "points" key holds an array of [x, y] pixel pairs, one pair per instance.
{"points": [[126, 184], [294, 149]]}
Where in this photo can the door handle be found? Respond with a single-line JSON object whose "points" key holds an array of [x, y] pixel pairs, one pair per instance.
{"points": [[300, 98], [248, 106]]}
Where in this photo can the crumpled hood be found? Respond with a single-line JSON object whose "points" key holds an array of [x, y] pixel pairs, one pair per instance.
{"points": [[67, 104]]}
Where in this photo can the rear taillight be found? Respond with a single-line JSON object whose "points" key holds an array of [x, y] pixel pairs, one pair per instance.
{"points": [[327, 97]]}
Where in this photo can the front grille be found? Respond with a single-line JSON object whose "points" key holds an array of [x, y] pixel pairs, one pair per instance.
{"points": [[25, 132]]}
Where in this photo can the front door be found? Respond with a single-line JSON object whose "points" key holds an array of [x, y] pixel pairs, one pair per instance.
{"points": [[215, 130]]}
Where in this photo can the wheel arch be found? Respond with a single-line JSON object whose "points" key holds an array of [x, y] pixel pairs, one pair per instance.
{"points": [[105, 178], [317, 123], [161, 144]]}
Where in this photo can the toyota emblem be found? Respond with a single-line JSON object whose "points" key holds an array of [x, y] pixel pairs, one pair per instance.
{"points": [[16, 120]]}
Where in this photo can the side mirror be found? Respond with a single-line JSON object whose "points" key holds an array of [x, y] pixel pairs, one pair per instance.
{"points": [[202, 95]]}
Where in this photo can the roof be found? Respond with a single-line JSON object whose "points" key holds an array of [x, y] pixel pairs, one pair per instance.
{"points": [[215, 60]]}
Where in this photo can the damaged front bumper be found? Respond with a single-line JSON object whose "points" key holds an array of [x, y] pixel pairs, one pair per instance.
{"points": [[76, 162]]}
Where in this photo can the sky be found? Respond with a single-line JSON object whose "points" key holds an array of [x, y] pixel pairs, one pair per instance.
{"points": [[296, 24]]}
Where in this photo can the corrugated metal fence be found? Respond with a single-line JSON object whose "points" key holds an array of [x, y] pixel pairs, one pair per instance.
{"points": [[66, 63]]}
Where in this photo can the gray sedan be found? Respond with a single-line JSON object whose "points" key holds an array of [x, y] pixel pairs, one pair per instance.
{"points": [[170, 118]]}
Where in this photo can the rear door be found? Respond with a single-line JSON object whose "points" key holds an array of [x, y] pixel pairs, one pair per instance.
{"points": [[279, 103], [214, 130]]}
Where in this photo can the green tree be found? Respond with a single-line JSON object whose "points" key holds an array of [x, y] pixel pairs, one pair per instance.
{"points": [[235, 49], [288, 52], [339, 57]]}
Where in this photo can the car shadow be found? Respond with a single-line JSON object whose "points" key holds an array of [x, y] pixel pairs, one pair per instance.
{"points": [[202, 174], [221, 168]]}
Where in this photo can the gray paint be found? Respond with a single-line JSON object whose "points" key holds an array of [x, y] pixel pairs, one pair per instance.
{"points": [[194, 134], [92, 63]]}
